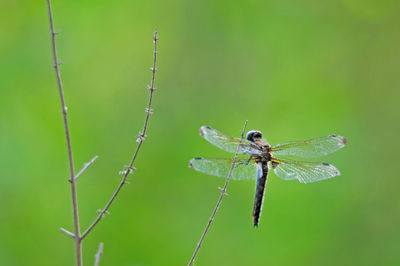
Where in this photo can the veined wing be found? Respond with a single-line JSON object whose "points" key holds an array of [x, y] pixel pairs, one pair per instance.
{"points": [[221, 167], [312, 148], [226, 142], [305, 172]]}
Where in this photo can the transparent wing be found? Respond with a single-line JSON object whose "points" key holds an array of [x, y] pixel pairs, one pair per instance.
{"points": [[305, 172], [312, 148], [226, 142], [221, 167]]}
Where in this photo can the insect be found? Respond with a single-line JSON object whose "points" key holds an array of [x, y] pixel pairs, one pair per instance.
{"points": [[262, 159]]}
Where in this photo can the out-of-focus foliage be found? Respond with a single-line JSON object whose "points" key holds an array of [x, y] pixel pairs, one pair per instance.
{"points": [[294, 69]]}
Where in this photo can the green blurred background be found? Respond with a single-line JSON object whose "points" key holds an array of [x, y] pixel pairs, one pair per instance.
{"points": [[294, 69]]}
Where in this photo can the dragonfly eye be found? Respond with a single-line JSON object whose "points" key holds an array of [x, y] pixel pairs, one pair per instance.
{"points": [[253, 135]]}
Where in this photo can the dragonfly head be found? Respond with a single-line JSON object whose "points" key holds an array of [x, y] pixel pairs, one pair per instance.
{"points": [[254, 135]]}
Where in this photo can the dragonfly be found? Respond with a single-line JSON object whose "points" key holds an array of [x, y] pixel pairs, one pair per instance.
{"points": [[263, 157]]}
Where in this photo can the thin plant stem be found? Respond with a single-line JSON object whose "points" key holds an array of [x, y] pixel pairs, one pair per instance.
{"points": [[77, 237], [85, 167], [68, 233], [223, 192], [140, 140], [98, 255]]}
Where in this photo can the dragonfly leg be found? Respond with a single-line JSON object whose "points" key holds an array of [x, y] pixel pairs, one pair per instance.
{"points": [[239, 162], [247, 162]]}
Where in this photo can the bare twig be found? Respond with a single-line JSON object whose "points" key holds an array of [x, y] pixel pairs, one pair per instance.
{"points": [[77, 237], [139, 140], [223, 192], [86, 166], [68, 233], [97, 257]]}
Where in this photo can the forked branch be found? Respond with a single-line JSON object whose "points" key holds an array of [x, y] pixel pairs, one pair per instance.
{"points": [[223, 192], [139, 140], [76, 235]]}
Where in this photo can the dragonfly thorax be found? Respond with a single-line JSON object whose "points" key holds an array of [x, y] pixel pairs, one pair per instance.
{"points": [[256, 140]]}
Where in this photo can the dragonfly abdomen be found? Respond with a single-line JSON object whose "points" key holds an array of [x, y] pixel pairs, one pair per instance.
{"points": [[259, 195]]}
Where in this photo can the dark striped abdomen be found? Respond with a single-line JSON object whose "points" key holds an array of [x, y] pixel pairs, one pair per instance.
{"points": [[259, 197]]}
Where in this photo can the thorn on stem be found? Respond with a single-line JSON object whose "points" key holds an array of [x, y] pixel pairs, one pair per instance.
{"points": [[123, 172], [127, 170], [155, 38], [150, 88], [222, 190], [141, 137], [148, 111], [58, 64], [103, 213], [130, 167]]}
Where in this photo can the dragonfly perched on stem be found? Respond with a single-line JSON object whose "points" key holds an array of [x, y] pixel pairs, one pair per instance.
{"points": [[262, 158]]}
